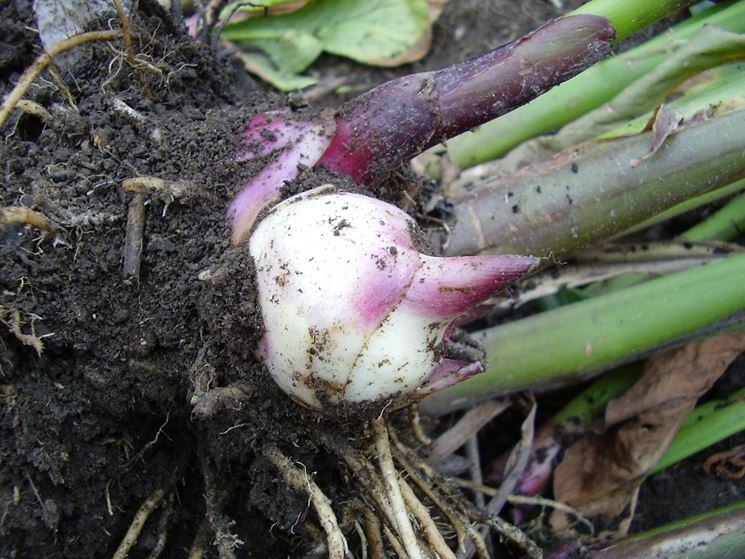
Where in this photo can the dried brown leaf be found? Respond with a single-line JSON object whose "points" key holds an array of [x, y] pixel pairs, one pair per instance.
{"points": [[600, 474], [665, 122]]}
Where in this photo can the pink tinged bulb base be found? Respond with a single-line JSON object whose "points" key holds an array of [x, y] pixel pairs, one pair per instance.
{"points": [[289, 143], [352, 311]]}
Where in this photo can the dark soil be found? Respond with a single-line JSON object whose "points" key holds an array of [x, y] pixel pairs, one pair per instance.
{"points": [[149, 382]]}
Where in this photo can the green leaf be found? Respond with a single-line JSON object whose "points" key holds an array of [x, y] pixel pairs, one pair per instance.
{"points": [[261, 66], [368, 31], [706, 425], [377, 30], [291, 52]]}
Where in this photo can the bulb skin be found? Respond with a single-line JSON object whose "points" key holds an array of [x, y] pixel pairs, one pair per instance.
{"points": [[352, 311]]}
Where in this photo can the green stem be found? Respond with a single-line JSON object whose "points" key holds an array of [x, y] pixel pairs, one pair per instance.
{"points": [[628, 16], [595, 334], [726, 224], [689, 205], [596, 191], [711, 535], [579, 413], [584, 92], [706, 425]]}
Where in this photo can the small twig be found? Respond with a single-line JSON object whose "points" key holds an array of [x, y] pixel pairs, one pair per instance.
{"points": [[33, 71], [426, 524], [135, 116], [299, 481], [124, 20], [468, 425], [18, 215], [474, 456], [323, 88], [133, 239], [518, 460], [137, 523], [109, 506], [393, 489], [168, 191]]}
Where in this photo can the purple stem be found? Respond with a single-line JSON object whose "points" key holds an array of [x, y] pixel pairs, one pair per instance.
{"points": [[379, 130], [375, 133]]}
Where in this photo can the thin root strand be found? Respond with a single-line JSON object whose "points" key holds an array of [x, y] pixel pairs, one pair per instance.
{"points": [[35, 70], [374, 536], [138, 522], [393, 489], [426, 523], [301, 482], [513, 533]]}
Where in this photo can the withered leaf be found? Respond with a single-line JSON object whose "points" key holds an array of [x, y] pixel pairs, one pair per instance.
{"points": [[601, 473], [665, 122]]}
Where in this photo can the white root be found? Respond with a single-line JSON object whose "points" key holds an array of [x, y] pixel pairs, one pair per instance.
{"points": [[390, 480], [426, 524], [299, 481], [137, 523]]}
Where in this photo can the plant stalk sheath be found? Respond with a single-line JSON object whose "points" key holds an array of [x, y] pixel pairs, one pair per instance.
{"points": [[596, 191]]}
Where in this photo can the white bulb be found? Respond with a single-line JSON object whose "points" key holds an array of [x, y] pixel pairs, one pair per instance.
{"points": [[352, 311]]}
